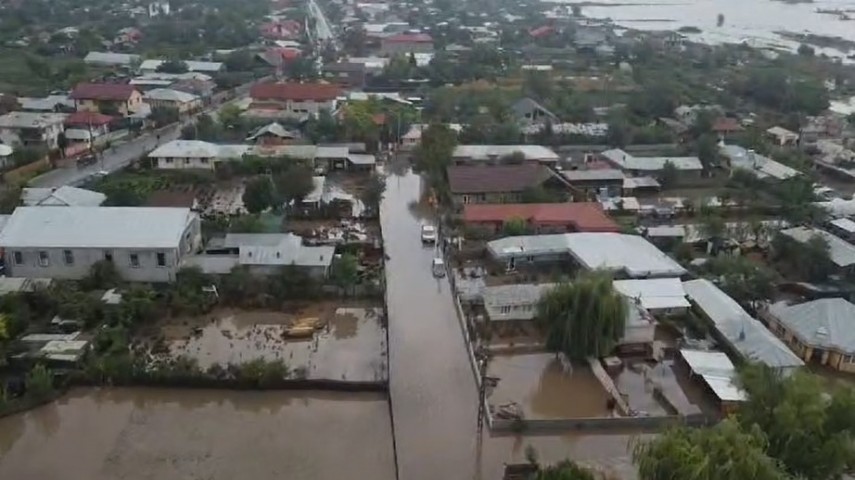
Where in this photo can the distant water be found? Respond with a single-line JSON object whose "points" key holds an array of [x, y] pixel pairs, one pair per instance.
{"points": [[751, 21]]}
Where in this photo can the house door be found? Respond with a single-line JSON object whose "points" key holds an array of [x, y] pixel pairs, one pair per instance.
{"points": [[512, 264]]}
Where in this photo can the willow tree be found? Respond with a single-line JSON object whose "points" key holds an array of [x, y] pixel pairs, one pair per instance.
{"points": [[584, 318], [723, 452]]}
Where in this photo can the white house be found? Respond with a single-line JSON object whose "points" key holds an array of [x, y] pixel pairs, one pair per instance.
{"points": [[64, 196], [169, 98], [31, 129], [151, 66], [294, 100], [194, 154], [145, 244]]}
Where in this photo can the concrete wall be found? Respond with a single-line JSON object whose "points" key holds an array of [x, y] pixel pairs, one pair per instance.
{"points": [[565, 425], [182, 163]]}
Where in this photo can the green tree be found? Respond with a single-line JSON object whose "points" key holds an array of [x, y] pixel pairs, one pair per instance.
{"points": [[807, 430], [810, 260], [722, 452], [259, 195], [618, 134], [743, 280], [102, 276], [162, 116], [584, 318], [433, 155], [345, 271], [173, 66], [39, 381], [707, 151], [515, 226], [373, 192], [239, 61], [231, 117], [670, 175], [323, 128], [566, 470], [295, 183]]}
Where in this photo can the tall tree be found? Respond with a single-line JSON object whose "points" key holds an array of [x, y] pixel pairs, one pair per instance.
{"points": [[584, 318], [259, 195], [294, 184], [723, 452]]}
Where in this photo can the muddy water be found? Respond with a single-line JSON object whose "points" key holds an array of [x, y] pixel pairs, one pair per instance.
{"points": [[538, 383], [143, 434], [434, 397], [351, 345]]}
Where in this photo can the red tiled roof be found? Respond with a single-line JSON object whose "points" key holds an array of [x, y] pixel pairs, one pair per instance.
{"points": [[295, 91], [409, 38], [584, 216], [541, 31], [496, 178], [726, 124], [88, 118], [103, 91]]}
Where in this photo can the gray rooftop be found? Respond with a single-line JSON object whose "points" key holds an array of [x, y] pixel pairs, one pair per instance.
{"points": [[759, 165], [744, 334], [611, 251], [110, 58], [513, 302], [828, 323], [488, 152], [628, 161], [601, 174], [64, 196], [31, 119], [842, 253], [101, 227]]}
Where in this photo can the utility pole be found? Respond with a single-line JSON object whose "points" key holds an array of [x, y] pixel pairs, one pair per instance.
{"points": [[482, 395]]}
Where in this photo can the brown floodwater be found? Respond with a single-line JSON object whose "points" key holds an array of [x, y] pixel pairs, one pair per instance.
{"points": [[351, 346], [141, 434], [637, 379], [538, 383], [432, 387]]}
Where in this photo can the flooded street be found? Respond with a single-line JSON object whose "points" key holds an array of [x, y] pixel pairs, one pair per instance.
{"points": [[142, 434], [432, 387]]}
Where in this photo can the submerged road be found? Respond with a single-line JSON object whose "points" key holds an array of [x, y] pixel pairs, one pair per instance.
{"points": [[432, 388]]}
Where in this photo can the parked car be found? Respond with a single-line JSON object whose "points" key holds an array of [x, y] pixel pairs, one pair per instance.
{"points": [[428, 234], [438, 267]]}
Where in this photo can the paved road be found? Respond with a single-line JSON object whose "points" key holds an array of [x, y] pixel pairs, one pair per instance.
{"points": [[122, 155], [323, 30]]}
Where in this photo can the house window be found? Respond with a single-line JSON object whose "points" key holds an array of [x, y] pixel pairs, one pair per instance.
{"points": [[135, 260], [466, 199], [505, 309], [161, 259], [168, 160], [19, 258], [204, 160], [847, 359], [68, 255], [44, 259], [108, 256]]}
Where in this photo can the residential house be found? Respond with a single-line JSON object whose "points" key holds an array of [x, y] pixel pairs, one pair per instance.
{"points": [[541, 218], [48, 104], [719, 375], [783, 137], [841, 252], [742, 335], [6, 155], [687, 167], [726, 126], [629, 256], [272, 134], [280, 57], [65, 196], [498, 154], [529, 112], [821, 332], [758, 165], [264, 254], [843, 227], [184, 102], [144, 244], [86, 127], [597, 182], [659, 296], [202, 88], [282, 30], [511, 309], [27, 129], [110, 59], [413, 137], [501, 183], [151, 66], [295, 100], [107, 98], [688, 114], [349, 75], [821, 127], [406, 43], [194, 154]]}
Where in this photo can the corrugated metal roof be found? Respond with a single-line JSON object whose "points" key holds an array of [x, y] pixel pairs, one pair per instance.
{"points": [[62, 196], [744, 334], [654, 293], [717, 371], [828, 323], [102, 227], [842, 253], [627, 161], [513, 302], [487, 152]]}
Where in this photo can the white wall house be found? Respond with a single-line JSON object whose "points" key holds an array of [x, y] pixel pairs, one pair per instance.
{"points": [[30, 129], [145, 244], [194, 154], [295, 100]]}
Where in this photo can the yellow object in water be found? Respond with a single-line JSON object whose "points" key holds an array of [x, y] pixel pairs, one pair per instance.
{"points": [[304, 327]]}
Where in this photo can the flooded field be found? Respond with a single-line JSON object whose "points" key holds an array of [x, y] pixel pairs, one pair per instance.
{"points": [[538, 383], [349, 345], [637, 380], [143, 434], [752, 21]]}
